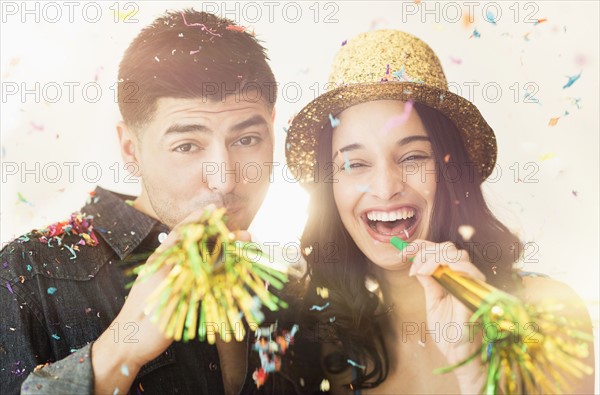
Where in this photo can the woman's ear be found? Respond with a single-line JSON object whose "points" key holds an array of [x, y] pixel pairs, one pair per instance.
{"points": [[129, 145]]}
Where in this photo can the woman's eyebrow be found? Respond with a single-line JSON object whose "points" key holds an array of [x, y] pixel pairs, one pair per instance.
{"points": [[410, 139], [350, 147]]}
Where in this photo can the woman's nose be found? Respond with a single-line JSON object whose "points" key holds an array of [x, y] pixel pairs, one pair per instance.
{"points": [[387, 181]]}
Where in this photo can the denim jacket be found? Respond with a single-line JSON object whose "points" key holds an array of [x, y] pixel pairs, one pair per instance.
{"points": [[57, 299]]}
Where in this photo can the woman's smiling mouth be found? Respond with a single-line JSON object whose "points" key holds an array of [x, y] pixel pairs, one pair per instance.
{"points": [[383, 223]]}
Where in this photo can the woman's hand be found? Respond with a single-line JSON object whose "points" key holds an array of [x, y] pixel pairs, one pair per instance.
{"points": [[444, 311]]}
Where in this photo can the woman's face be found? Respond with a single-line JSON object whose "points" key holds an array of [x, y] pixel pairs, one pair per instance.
{"points": [[386, 181]]}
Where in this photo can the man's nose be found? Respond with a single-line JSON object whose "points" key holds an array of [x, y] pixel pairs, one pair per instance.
{"points": [[220, 172]]}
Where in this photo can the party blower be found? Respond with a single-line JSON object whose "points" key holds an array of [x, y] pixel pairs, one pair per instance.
{"points": [[229, 276], [533, 349]]}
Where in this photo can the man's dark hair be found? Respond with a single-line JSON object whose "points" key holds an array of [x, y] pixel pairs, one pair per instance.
{"points": [[191, 54]]}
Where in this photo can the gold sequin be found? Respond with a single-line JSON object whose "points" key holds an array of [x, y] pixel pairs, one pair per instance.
{"points": [[414, 73]]}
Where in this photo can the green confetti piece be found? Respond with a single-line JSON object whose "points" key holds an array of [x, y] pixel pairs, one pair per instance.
{"points": [[398, 243]]}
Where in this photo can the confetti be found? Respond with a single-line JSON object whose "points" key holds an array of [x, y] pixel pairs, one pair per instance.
{"points": [[324, 385], [334, 121], [319, 308], [323, 292], [466, 232], [157, 59], [399, 74], [542, 20], [344, 42], [55, 336], [77, 224], [398, 120], [490, 17], [363, 188], [97, 75], [124, 370], [475, 34], [239, 29], [124, 16], [455, 60], [9, 287], [39, 128], [356, 365], [203, 27], [574, 193], [547, 156], [116, 391], [51, 290], [22, 199], [271, 351], [553, 121], [72, 251], [346, 161], [571, 80], [446, 158]]}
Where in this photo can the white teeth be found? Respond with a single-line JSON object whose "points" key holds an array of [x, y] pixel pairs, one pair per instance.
{"points": [[388, 216]]}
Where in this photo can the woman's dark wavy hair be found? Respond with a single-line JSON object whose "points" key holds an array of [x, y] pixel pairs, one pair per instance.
{"points": [[339, 265]]}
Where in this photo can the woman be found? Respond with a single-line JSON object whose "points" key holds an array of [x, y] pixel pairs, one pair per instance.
{"points": [[391, 152]]}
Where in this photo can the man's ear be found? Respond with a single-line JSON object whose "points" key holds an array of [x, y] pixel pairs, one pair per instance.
{"points": [[128, 142]]}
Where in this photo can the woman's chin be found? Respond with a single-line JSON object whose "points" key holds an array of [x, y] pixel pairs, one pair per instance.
{"points": [[388, 259]]}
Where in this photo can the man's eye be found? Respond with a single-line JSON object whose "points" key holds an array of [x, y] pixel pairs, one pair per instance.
{"points": [[184, 147], [248, 140]]}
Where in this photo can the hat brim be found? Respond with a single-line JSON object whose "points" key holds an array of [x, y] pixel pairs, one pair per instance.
{"points": [[304, 132]]}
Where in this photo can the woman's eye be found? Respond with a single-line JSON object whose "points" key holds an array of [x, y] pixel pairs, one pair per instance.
{"points": [[415, 157], [248, 140], [349, 166]]}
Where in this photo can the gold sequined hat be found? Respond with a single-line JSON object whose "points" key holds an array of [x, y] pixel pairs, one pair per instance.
{"points": [[386, 65]]}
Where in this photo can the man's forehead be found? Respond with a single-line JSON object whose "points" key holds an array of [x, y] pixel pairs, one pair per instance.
{"points": [[202, 106]]}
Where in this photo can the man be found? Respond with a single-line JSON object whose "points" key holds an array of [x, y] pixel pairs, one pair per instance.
{"points": [[197, 100]]}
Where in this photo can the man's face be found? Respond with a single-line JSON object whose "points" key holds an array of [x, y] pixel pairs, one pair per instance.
{"points": [[196, 152]]}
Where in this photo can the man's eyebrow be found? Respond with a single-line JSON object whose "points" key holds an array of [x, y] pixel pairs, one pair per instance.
{"points": [[176, 128], [350, 147], [256, 120]]}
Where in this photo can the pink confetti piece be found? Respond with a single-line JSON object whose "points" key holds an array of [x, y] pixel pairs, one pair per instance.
{"points": [[203, 27], [398, 120], [455, 60], [39, 128], [97, 74]]}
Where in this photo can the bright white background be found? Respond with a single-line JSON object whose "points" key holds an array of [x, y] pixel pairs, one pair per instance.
{"points": [[557, 211]]}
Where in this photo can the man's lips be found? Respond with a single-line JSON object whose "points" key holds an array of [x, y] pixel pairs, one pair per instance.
{"points": [[381, 223]]}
